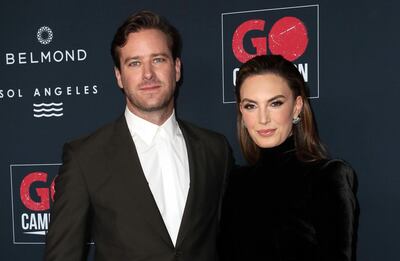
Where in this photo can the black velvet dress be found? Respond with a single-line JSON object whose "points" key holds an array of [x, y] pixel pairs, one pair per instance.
{"points": [[284, 209]]}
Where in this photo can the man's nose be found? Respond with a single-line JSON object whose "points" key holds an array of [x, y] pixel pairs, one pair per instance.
{"points": [[148, 71]]}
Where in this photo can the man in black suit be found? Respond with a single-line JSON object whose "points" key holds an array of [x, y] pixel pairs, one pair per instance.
{"points": [[147, 186]]}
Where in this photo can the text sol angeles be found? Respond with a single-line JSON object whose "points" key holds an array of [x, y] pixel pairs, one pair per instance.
{"points": [[51, 92]]}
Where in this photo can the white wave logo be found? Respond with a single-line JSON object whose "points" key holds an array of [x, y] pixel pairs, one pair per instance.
{"points": [[47, 110]]}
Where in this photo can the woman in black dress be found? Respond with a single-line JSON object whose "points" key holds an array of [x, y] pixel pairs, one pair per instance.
{"points": [[292, 202]]}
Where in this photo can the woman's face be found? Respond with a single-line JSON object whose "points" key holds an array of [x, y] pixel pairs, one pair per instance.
{"points": [[268, 108]]}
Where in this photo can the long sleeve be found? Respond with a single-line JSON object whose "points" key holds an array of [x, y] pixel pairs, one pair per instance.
{"points": [[68, 234], [336, 212]]}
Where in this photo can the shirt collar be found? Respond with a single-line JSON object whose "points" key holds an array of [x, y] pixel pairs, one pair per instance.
{"points": [[147, 130]]}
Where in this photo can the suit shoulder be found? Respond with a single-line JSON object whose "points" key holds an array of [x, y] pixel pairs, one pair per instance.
{"points": [[201, 132], [97, 138]]}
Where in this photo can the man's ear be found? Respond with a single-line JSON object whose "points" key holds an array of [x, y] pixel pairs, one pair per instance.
{"points": [[178, 67], [118, 77]]}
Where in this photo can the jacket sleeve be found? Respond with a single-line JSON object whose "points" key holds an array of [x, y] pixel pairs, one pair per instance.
{"points": [[68, 234], [228, 167], [336, 212]]}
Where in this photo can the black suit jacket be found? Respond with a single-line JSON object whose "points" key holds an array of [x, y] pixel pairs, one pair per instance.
{"points": [[103, 195]]}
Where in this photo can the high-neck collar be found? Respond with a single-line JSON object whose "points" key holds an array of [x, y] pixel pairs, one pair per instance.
{"points": [[279, 152]]}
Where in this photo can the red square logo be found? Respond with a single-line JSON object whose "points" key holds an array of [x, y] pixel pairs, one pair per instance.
{"points": [[32, 194], [292, 32]]}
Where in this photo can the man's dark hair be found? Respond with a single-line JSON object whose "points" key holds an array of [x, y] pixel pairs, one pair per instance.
{"points": [[145, 20]]}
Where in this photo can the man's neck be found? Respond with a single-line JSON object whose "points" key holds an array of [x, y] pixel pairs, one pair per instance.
{"points": [[156, 117]]}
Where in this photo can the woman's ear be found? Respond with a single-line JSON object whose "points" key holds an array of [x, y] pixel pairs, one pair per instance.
{"points": [[298, 106]]}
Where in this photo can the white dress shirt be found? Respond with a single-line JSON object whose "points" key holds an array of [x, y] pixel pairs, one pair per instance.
{"points": [[163, 156]]}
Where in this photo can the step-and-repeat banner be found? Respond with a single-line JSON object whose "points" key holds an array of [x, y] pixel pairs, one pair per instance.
{"points": [[57, 84]]}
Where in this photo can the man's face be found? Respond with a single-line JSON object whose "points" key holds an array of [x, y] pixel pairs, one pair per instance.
{"points": [[148, 73]]}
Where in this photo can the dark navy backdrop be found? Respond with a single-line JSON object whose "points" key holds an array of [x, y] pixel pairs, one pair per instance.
{"points": [[50, 93]]}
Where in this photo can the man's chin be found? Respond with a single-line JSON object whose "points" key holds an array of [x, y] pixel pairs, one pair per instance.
{"points": [[152, 107]]}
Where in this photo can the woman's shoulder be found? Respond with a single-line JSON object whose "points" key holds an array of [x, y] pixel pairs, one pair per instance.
{"points": [[336, 173], [240, 172], [241, 176]]}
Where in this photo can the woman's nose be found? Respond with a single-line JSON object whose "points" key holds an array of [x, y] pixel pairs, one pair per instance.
{"points": [[263, 116]]}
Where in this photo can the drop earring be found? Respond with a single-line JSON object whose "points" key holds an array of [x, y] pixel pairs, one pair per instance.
{"points": [[296, 120]]}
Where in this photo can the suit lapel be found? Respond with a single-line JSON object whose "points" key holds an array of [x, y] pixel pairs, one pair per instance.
{"points": [[196, 158], [124, 160]]}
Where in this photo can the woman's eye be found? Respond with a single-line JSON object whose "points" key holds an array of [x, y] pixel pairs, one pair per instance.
{"points": [[276, 103], [249, 106]]}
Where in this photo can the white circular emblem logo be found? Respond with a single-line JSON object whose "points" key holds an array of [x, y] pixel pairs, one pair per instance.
{"points": [[44, 35]]}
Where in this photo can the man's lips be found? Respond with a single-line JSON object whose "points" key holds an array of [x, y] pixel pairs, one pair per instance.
{"points": [[149, 87], [266, 132]]}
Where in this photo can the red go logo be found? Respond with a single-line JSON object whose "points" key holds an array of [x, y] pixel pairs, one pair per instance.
{"points": [[287, 37], [44, 193]]}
